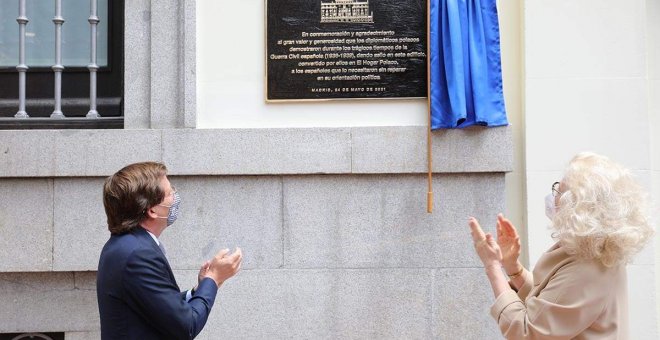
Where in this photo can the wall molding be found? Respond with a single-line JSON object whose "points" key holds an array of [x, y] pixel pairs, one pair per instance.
{"points": [[363, 150]]}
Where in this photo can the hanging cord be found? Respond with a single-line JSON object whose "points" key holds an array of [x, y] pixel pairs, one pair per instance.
{"points": [[429, 195], [429, 156]]}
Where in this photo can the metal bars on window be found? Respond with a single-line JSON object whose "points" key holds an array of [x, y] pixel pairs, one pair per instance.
{"points": [[21, 67], [93, 67], [57, 67]]}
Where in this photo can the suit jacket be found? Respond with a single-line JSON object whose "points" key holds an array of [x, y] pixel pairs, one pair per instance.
{"points": [[138, 296], [566, 298]]}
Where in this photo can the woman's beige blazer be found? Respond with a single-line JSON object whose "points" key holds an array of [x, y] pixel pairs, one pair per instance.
{"points": [[566, 298]]}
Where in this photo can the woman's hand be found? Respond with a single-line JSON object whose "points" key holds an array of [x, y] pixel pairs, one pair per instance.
{"points": [[487, 249], [509, 242]]}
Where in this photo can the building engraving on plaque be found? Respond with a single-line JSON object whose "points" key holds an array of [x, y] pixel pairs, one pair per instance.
{"points": [[349, 11]]}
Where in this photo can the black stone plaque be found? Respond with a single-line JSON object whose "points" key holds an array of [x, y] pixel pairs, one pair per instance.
{"points": [[331, 49]]}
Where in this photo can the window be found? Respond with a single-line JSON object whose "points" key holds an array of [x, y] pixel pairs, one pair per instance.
{"points": [[32, 336], [40, 56]]}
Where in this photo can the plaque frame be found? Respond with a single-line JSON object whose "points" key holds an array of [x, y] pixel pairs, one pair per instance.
{"points": [[417, 75]]}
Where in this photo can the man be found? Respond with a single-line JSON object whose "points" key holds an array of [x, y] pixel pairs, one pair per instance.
{"points": [[137, 294]]}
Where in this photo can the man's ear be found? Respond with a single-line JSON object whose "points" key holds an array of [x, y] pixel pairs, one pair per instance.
{"points": [[151, 213]]}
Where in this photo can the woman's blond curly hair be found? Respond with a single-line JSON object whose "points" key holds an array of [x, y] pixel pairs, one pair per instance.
{"points": [[602, 211]]}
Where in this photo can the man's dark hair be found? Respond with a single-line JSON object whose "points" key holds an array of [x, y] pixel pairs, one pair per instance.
{"points": [[130, 192]]}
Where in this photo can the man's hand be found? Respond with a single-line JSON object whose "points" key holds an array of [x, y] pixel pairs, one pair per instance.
{"points": [[487, 249], [224, 265], [202, 273], [509, 242]]}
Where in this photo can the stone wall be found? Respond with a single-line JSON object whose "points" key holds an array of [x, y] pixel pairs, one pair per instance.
{"points": [[332, 223]]}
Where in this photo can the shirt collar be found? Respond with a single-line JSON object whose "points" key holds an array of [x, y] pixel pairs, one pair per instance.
{"points": [[154, 237]]}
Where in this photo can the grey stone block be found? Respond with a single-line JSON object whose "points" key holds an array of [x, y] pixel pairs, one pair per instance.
{"points": [[166, 45], [85, 280], [381, 220], [75, 152], [323, 304], [186, 279], [225, 212], [404, 150], [253, 151], [81, 228], [82, 335], [461, 305], [208, 222], [26, 225], [189, 51], [137, 64], [257, 151], [45, 302], [27, 153], [103, 152]]}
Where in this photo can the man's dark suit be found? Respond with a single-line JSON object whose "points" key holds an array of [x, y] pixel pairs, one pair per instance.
{"points": [[138, 295]]}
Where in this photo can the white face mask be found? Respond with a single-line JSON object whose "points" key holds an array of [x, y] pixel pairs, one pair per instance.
{"points": [[550, 208]]}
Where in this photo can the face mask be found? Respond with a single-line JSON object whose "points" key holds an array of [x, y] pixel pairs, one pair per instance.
{"points": [[173, 211], [550, 208]]}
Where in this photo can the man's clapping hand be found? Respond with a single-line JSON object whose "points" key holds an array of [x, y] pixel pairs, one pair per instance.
{"points": [[224, 265]]}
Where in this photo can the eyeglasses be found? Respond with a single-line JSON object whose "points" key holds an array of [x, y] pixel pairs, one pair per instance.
{"points": [[163, 205], [173, 194], [555, 189]]}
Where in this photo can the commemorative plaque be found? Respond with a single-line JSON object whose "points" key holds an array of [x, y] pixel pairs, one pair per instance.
{"points": [[333, 49]]}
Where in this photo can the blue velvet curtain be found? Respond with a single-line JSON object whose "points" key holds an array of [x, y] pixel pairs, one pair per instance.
{"points": [[466, 72]]}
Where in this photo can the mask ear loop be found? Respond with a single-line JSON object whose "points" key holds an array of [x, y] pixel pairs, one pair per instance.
{"points": [[144, 212]]}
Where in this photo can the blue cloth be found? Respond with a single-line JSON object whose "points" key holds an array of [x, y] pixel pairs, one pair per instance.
{"points": [[138, 296], [466, 72]]}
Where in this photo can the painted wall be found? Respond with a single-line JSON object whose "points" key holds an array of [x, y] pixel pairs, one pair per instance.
{"points": [[230, 86], [511, 24], [586, 89], [653, 66]]}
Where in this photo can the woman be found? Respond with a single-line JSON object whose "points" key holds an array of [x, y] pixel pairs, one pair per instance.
{"points": [[578, 287]]}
